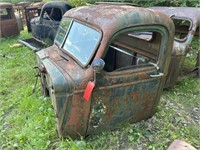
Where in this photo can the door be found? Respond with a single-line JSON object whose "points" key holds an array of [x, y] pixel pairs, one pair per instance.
{"points": [[129, 87], [49, 23]]}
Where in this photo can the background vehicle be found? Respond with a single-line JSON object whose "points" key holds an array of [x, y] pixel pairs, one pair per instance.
{"points": [[8, 21], [45, 26], [187, 22]]}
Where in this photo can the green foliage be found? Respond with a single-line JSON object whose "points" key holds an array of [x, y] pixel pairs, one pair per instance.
{"points": [[150, 3], [177, 3], [77, 2], [192, 55]]}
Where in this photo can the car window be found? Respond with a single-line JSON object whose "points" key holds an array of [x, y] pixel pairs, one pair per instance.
{"points": [[132, 50], [5, 13], [53, 14], [47, 13], [182, 27], [62, 31], [56, 14], [81, 42]]}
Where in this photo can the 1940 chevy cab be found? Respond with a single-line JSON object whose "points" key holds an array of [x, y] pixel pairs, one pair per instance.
{"points": [[187, 22], [8, 21], [106, 68]]}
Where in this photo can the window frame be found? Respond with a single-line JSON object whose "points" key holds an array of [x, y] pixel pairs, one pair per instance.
{"points": [[95, 49], [145, 28], [189, 29]]}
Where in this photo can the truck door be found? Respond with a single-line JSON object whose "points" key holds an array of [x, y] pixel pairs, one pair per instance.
{"points": [[49, 23], [130, 85]]}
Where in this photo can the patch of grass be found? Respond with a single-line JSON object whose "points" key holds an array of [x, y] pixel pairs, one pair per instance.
{"points": [[192, 55], [27, 120]]}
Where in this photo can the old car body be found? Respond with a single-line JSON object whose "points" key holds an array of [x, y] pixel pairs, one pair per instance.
{"points": [[187, 22], [127, 88], [8, 21], [45, 26], [32, 11]]}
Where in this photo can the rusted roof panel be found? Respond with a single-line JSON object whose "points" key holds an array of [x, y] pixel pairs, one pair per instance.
{"points": [[186, 12], [118, 17]]}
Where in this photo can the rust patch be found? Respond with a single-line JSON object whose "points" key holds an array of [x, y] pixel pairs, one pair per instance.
{"points": [[98, 111]]}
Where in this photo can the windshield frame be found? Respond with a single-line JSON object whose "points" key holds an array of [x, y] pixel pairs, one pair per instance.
{"points": [[64, 38], [61, 47]]}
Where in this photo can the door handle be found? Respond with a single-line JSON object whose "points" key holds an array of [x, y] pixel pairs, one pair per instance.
{"points": [[157, 75], [160, 74]]}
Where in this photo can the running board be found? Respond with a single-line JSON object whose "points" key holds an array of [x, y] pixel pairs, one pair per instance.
{"points": [[33, 44]]}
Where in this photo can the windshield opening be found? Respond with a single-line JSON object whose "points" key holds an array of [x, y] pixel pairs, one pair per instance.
{"points": [[81, 42], [77, 40]]}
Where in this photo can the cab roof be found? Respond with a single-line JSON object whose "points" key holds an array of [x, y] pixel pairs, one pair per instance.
{"points": [[5, 4], [191, 13], [58, 4], [112, 18]]}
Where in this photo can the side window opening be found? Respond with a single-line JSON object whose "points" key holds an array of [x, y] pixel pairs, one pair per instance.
{"points": [[132, 50], [47, 13], [5, 14], [182, 27], [56, 14]]}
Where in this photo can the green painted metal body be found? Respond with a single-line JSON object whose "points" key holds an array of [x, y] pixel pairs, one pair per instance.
{"points": [[126, 90]]}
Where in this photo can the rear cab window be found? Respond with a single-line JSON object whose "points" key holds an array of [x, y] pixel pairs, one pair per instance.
{"points": [[182, 27]]}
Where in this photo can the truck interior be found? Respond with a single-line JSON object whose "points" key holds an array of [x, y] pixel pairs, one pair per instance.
{"points": [[132, 50]]}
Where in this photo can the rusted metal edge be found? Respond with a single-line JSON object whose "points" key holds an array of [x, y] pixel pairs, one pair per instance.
{"points": [[180, 145], [113, 86], [35, 49], [28, 45]]}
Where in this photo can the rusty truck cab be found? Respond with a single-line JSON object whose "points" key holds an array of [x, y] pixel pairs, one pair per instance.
{"points": [[8, 21], [187, 22], [123, 55]]}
